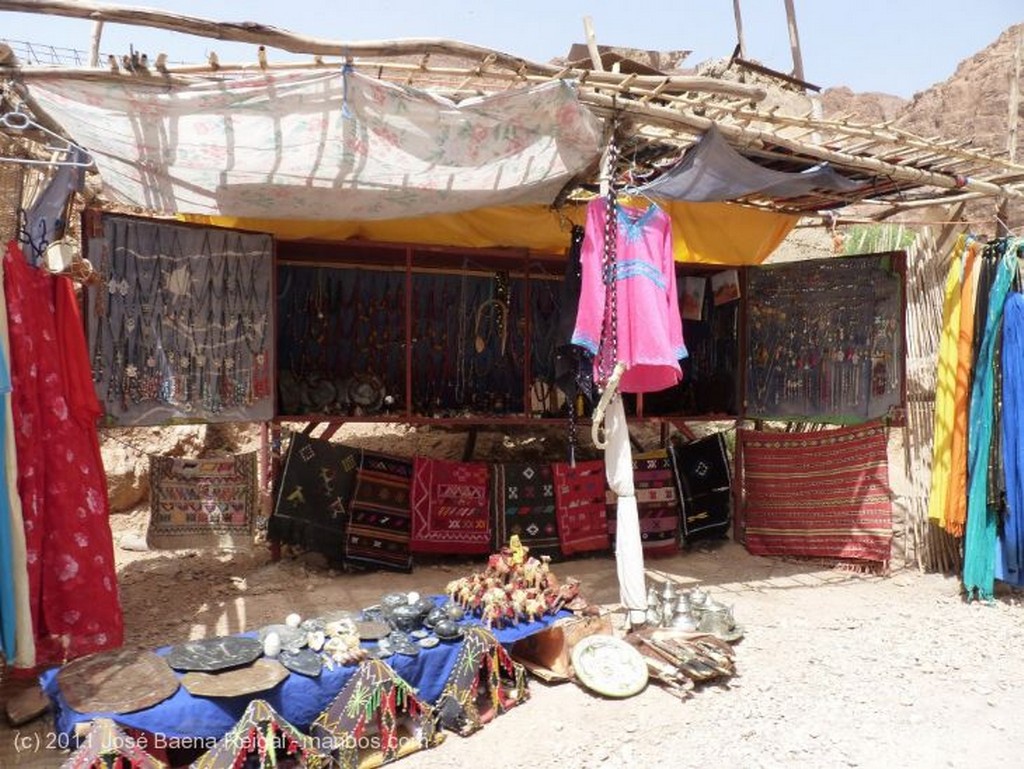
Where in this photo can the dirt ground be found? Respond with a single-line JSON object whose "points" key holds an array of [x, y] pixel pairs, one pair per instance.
{"points": [[835, 669]]}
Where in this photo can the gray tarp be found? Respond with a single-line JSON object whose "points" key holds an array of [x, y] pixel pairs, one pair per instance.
{"points": [[713, 171]]}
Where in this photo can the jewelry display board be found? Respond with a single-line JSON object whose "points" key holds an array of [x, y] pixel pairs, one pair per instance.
{"points": [[392, 332], [468, 346], [825, 339], [341, 340], [180, 324]]}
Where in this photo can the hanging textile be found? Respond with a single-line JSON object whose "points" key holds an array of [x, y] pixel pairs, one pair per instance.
{"points": [[945, 389], [72, 576], [23, 655], [956, 503], [524, 505], [649, 334], [380, 517], [703, 478], [712, 170], [451, 509], [657, 503], [1009, 565], [629, 552], [8, 599], [580, 507], [323, 146], [821, 494], [314, 495], [980, 531]]}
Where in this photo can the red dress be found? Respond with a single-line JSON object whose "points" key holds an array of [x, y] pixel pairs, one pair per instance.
{"points": [[61, 481]]}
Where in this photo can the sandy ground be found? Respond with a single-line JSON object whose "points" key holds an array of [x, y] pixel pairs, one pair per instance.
{"points": [[835, 669]]}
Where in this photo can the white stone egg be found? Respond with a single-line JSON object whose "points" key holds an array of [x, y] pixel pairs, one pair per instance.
{"points": [[272, 645]]}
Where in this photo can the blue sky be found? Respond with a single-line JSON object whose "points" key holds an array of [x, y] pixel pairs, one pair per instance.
{"points": [[895, 46]]}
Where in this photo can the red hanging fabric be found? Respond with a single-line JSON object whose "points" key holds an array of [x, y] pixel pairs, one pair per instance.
{"points": [[61, 481]]}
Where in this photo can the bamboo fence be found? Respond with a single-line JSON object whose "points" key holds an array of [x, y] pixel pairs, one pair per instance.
{"points": [[926, 545]]}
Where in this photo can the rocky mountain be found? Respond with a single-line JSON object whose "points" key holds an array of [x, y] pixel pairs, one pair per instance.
{"points": [[973, 103], [870, 107]]}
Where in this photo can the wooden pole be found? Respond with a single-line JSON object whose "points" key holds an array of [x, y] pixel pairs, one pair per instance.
{"points": [[595, 55], [261, 34], [794, 41], [1003, 214], [94, 47], [739, 29]]}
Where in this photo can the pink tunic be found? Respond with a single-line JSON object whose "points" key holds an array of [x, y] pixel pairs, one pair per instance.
{"points": [[650, 329]]}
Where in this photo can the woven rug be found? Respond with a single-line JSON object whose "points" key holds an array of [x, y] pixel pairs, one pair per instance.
{"points": [[703, 479], [580, 507], [450, 507], [657, 504], [524, 505], [202, 503], [380, 515], [311, 510], [820, 494]]}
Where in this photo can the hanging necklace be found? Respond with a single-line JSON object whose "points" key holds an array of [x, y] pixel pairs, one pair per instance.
{"points": [[608, 349]]}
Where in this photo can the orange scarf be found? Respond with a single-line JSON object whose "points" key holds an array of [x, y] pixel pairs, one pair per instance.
{"points": [[956, 504]]}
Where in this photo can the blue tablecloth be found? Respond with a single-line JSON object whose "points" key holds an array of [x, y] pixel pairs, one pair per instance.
{"points": [[299, 699]]}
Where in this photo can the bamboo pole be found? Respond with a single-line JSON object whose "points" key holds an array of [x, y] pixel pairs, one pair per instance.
{"points": [[649, 86], [794, 41], [94, 44], [740, 45], [595, 54], [261, 34], [252, 32], [876, 133], [756, 137]]}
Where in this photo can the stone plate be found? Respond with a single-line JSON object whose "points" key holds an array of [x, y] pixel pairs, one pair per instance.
{"points": [[372, 631], [212, 654], [120, 681], [261, 675], [303, 661]]}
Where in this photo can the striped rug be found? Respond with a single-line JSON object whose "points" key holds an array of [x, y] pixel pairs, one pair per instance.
{"points": [[378, 529], [820, 494]]}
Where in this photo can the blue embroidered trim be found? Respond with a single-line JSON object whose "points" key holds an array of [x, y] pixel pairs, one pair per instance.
{"points": [[637, 268], [585, 342], [633, 227]]}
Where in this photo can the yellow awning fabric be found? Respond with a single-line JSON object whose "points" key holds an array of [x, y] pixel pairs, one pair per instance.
{"points": [[724, 233], [703, 233]]}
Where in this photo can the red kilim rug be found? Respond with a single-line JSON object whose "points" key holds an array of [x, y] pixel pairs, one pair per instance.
{"points": [[580, 507], [451, 508], [819, 494]]}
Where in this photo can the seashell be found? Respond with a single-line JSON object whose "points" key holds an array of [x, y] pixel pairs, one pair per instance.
{"points": [[315, 640], [340, 627], [293, 620]]}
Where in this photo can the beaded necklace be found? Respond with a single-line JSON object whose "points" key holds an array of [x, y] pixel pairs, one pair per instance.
{"points": [[608, 348]]}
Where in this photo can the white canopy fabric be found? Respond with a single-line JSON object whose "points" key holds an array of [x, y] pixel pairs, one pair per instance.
{"points": [[322, 145]]}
